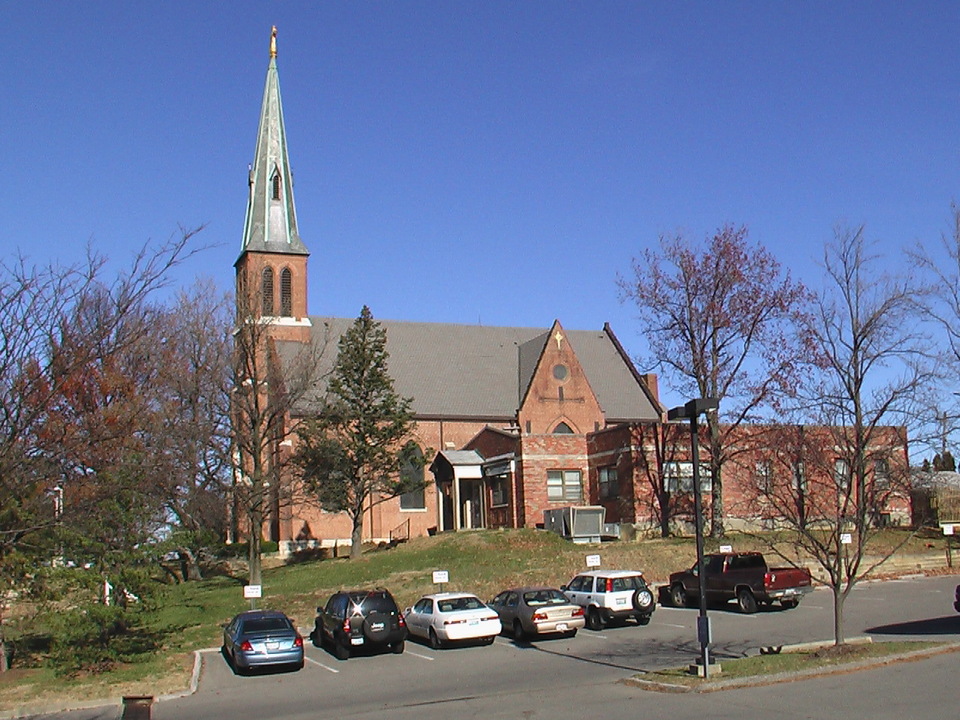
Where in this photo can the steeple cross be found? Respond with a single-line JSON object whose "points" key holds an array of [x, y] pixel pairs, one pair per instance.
{"points": [[559, 338]]}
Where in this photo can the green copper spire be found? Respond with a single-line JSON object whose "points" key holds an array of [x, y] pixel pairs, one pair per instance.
{"points": [[271, 222]]}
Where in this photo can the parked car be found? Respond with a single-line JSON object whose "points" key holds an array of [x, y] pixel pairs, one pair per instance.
{"points": [[611, 595], [452, 617], [956, 599], [744, 577], [359, 619], [529, 611], [259, 638]]}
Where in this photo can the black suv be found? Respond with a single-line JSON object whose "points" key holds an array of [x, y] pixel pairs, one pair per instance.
{"points": [[359, 619]]}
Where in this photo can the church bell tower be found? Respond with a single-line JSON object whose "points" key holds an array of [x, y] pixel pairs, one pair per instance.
{"points": [[272, 267]]}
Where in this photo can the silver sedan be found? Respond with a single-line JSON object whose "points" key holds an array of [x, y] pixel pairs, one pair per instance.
{"points": [[531, 611]]}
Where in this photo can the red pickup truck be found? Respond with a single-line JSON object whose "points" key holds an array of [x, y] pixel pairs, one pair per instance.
{"points": [[743, 577]]}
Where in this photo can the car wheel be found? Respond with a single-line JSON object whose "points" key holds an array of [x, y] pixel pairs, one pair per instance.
{"points": [[570, 633], [594, 621], [435, 640], [678, 596], [316, 637], [398, 647], [490, 640], [519, 634], [789, 603], [643, 619], [746, 601], [341, 651]]}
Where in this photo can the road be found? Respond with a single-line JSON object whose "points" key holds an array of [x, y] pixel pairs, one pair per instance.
{"points": [[577, 677]]}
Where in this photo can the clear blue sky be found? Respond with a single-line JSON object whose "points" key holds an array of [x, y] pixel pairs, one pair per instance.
{"points": [[491, 162]]}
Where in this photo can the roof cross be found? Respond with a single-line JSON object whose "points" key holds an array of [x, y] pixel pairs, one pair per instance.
{"points": [[559, 338]]}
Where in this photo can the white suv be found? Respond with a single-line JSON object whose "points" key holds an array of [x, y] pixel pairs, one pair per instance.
{"points": [[607, 595]]}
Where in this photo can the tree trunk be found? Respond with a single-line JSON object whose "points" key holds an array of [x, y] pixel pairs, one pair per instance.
{"points": [[356, 536], [256, 528], [838, 598], [189, 567], [665, 514]]}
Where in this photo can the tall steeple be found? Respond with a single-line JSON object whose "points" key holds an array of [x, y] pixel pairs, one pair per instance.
{"points": [[272, 267], [271, 221]]}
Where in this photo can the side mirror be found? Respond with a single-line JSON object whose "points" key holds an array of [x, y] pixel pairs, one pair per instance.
{"points": [[407, 611], [319, 610], [563, 588]]}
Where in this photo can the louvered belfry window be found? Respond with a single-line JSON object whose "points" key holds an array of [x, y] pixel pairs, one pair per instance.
{"points": [[266, 291], [286, 293]]}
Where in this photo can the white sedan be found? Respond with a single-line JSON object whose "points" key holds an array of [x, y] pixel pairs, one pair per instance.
{"points": [[452, 617]]}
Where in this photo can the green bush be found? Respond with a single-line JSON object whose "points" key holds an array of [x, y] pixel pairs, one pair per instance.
{"points": [[94, 639]]}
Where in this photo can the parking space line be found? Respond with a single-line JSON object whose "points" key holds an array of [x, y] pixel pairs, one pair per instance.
{"points": [[673, 625], [317, 662], [422, 657]]}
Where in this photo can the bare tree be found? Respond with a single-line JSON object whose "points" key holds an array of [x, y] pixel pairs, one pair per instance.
{"points": [[193, 388], [269, 378], [839, 477], [717, 320]]}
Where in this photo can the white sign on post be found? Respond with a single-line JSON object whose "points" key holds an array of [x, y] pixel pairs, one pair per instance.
{"points": [[726, 548], [251, 592], [440, 577], [846, 538], [593, 561], [948, 529]]}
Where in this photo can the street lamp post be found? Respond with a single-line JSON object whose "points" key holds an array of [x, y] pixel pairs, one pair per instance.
{"points": [[692, 411]]}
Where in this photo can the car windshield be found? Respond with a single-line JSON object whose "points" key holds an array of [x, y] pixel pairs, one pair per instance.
{"points": [[270, 624], [457, 604], [536, 598]]}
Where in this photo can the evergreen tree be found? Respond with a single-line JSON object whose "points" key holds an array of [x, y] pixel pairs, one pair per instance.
{"points": [[352, 452]]}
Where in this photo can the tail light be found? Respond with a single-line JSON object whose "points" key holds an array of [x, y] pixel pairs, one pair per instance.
{"points": [[400, 621], [539, 616], [454, 622], [298, 641], [578, 612], [609, 585], [346, 626], [769, 578], [245, 646]]}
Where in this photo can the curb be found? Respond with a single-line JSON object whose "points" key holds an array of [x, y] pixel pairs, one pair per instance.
{"points": [[762, 680]]}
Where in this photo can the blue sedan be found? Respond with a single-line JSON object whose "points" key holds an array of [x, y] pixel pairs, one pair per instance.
{"points": [[261, 638]]}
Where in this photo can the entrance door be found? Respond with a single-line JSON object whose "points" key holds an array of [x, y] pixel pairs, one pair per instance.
{"points": [[471, 499]]}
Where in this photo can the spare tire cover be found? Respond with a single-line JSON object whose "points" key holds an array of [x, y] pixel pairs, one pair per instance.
{"points": [[376, 627], [642, 600]]}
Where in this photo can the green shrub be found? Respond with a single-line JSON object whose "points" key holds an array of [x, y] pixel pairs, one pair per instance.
{"points": [[94, 639]]}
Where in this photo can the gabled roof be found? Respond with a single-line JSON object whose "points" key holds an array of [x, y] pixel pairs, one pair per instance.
{"points": [[481, 373], [271, 224]]}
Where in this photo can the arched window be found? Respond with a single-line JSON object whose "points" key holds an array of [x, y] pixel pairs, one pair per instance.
{"points": [[411, 474], [562, 429], [266, 291], [286, 293], [276, 186]]}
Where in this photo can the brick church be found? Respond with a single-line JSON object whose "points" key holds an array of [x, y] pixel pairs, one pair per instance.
{"points": [[517, 421]]}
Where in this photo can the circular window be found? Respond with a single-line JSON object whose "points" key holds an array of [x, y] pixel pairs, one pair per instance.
{"points": [[560, 372]]}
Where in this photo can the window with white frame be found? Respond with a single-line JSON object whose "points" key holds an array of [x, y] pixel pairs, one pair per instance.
{"points": [[841, 474], [763, 475], [881, 473], [411, 473], [678, 477], [799, 476], [564, 486], [607, 482]]}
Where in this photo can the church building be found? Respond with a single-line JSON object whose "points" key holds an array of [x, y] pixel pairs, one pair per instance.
{"points": [[516, 421]]}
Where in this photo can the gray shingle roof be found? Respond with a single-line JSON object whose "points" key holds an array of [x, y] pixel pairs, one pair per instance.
{"points": [[474, 371]]}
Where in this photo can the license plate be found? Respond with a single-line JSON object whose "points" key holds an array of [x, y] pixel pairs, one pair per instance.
{"points": [[356, 641], [561, 627], [273, 645], [621, 601], [474, 622]]}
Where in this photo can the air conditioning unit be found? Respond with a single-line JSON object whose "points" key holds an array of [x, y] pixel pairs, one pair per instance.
{"points": [[581, 524]]}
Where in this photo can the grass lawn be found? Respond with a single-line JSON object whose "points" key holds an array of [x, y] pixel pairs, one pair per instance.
{"points": [[190, 615], [827, 659]]}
